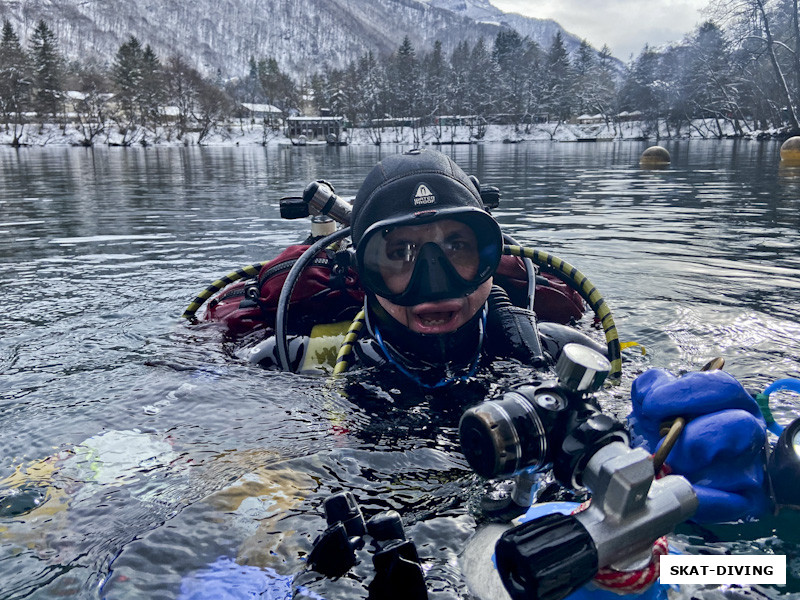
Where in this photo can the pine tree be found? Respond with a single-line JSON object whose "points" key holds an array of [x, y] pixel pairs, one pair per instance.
{"points": [[459, 99], [277, 88], [151, 92], [604, 85], [15, 81], [405, 80], [319, 94], [253, 91], [560, 80], [508, 52], [48, 68], [483, 80], [641, 89], [594, 81], [533, 84], [435, 77], [127, 73], [372, 91]]}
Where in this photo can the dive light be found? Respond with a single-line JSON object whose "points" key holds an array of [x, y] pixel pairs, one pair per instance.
{"points": [[535, 425], [319, 198]]}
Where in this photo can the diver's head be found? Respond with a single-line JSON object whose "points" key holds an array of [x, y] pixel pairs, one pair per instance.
{"points": [[425, 246]]}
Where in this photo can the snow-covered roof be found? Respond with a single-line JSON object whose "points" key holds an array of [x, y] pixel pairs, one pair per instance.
{"points": [[80, 96], [261, 108], [315, 119]]}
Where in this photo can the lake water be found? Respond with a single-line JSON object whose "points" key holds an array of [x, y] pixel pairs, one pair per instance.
{"points": [[158, 461]]}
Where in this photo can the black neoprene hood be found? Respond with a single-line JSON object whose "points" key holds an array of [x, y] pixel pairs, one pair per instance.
{"points": [[418, 183]]}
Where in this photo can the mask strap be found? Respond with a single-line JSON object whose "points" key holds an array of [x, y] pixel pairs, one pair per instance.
{"points": [[446, 380]]}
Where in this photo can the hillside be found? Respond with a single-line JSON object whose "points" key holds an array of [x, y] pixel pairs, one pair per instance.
{"points": [[219, 36]]}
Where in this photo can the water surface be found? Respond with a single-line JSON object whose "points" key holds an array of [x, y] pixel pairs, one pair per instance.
{"points": [[160, 461]]}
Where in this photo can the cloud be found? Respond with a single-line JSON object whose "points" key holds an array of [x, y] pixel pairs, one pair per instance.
{"points": [[625, 25]]}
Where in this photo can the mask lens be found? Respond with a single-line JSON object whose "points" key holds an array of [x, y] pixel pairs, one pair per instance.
{"points": [[391, 255]]}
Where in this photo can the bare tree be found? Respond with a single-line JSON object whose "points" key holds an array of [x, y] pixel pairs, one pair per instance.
{"points": [[213, 106], [92, 107], [754, 23], [182, 91]]}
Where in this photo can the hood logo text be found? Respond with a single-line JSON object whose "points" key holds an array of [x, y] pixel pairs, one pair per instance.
{"points": [[423, 195]]}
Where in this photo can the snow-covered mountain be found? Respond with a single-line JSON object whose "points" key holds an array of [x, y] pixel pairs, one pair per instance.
{"points": [[219, 36], [482, 11]]}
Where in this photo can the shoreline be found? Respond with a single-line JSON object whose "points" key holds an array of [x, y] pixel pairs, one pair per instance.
{"points": [[249, 134]]}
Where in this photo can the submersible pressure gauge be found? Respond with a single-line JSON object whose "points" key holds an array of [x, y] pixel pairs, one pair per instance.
{"points": [[581, 369]]}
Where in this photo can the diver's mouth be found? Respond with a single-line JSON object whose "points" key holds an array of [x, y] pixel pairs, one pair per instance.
{"points": [[433, 319], [437, 317]]}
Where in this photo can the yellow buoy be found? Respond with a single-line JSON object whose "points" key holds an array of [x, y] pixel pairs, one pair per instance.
{"points": [[655, 156], [790, 151]]}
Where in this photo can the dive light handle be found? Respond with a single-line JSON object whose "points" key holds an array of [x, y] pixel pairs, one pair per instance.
{"points": [[550, 557], [318, 199], [630, 509], [490, 196]]}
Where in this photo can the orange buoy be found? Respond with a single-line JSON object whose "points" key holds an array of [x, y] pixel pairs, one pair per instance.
{"points": [[655, 156], [790, 151]]}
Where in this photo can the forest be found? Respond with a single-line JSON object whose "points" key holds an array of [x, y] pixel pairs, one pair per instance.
{"points": [[737, 72]]}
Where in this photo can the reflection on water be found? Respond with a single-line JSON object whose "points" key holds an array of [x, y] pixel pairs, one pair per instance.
{"points": [[149, 462]]}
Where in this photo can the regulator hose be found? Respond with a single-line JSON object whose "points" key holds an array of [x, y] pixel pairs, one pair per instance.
{"points": [[242, 273], [581, 284], [288, 288]]}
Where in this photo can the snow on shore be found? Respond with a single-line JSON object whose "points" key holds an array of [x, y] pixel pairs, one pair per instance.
{"points": [[245, 134]]}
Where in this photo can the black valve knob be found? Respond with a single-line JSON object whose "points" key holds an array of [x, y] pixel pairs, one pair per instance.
{"points": [[547, 558]]}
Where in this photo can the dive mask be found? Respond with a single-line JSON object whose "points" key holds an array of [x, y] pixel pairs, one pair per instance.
{"points": [[432, 256]]}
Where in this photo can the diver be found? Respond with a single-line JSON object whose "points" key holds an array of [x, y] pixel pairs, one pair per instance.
{"points": [[426, 251]]}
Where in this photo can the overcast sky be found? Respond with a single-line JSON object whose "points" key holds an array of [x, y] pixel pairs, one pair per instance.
{"points": [[625, 25]]}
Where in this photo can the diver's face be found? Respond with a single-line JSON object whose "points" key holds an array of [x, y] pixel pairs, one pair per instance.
{"points": [[439, 317]]}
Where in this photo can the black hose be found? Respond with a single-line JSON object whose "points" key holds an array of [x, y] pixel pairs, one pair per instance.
{"points": [[530, 270], [288, 288]]}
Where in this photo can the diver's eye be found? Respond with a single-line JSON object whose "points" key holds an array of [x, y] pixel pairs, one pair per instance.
{"points": [[403, 251], [456, 246], [459, 248]]}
